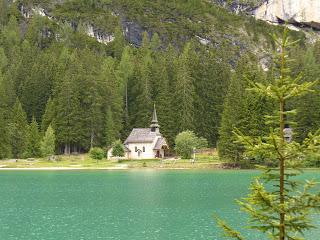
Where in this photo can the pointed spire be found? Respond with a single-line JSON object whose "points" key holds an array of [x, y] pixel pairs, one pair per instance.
{"points": [[154, 115], [154, 123]]}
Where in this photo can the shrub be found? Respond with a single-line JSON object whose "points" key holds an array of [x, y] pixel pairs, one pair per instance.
{"points": [[185, 143], [97, 153], [118, 149]]}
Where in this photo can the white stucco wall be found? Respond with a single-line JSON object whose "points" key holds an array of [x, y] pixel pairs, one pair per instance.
{"points": [[149, 153]]}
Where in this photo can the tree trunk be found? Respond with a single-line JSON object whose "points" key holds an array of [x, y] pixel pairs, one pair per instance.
{"points": [[281, 167], [67, 149]]}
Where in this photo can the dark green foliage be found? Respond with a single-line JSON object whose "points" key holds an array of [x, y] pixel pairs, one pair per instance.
{"points": [[184, 92], [5, 147], [93, 93], [33, 140], [244, 111], [48, 115], [110, 133], [97, 153], [18, 130], [186, 142], [211, 84], [308, 106], [117, 149]]}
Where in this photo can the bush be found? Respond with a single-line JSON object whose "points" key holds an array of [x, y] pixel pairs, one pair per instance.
{"points": [[186, 142], [118, 149], [97, 153]]}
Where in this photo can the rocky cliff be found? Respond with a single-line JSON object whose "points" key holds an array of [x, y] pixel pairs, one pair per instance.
{"points": [[303, 13]]}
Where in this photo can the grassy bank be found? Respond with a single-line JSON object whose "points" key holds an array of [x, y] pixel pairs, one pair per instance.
{"points": [[203, 161]]}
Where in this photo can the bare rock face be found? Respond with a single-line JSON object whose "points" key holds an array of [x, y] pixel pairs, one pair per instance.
{"points": [[298, 12]]}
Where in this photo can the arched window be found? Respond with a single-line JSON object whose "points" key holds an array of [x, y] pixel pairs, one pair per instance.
{"points": [[143, 149], [136, 148]]}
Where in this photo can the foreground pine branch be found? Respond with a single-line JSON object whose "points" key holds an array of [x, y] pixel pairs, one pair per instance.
{"points": [[278, 204]]}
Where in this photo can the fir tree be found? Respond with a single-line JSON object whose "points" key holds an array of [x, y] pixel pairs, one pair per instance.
{"points": [[48, 115], [124, 74], [68, 120], [163, 99], [232, 116], [114, 95], [142, 108], [308, 106], [211, 83], [119, 43], [3, 12], [282, 209], [47, 144], [33, 140], [5, 149], [110, 133], [18, 128], [184, 92]]}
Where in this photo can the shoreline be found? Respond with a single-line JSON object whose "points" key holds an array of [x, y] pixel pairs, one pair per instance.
{"points": [[132, 169]]}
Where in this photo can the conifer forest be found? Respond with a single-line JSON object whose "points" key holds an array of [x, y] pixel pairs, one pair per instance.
{"points": [[90, 71]]}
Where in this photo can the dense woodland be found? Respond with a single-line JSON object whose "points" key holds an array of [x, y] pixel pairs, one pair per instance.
{"points": [[93, 94]]}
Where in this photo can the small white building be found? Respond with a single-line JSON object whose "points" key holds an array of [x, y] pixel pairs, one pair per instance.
{"points": [[145, 143]]}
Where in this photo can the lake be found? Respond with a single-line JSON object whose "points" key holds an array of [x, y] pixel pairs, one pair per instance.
{"points": [[135, 205]]}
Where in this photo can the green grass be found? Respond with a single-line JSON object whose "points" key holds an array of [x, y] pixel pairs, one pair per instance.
{"points": [[72, 161], [203, 161]]}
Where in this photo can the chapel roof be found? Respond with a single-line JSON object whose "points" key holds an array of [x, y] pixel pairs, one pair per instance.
{"points": [[141, 135]]}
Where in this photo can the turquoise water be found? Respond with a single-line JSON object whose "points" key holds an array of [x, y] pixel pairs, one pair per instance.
{"points": [[133, 205]]}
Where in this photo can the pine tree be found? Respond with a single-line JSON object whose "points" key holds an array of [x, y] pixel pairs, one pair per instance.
{"points": [[110, 133], [28, 56], [17, 128], [11, 37], [48, 115], [37, 86], [91, 99], [3, 12], [278, 205], [211, 83], [242, 110], [142, 107], [119, 43], [155, 43], [5, 149], [231, 118], [33, 140], [113, 97], [124, 74], [47, 144], [308, 106], [184, 92], [68, 121], [163, 99]]}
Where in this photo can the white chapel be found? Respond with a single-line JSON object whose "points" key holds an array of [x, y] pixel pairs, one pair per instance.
{"points": [[145, 143]]}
